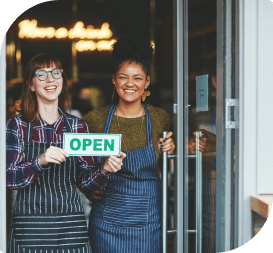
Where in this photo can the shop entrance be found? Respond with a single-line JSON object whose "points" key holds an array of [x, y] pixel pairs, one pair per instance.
{"points": [[194, 77]]}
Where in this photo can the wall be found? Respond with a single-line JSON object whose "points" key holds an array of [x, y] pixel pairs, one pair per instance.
{"points": [[255, 105], [264, 97]]}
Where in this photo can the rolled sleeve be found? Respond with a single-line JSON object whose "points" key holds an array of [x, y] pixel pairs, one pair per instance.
{"points": [[94, 178], [38, 168], [19, 173]]}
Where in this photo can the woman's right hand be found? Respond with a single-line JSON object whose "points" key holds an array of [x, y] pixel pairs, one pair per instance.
{"points": [[113, 163], [52, 155]]}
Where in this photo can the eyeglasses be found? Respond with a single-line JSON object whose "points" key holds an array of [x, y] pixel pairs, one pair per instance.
{"points": [[42, 75]]}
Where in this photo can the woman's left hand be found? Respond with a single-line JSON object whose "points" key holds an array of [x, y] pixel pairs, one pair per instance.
{"points": [[93, 195], [166, 144]]}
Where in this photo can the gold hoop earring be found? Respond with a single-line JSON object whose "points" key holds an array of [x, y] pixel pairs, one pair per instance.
{"points": [[145, 94]]}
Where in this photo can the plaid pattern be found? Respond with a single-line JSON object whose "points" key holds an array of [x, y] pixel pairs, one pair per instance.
{"points": [[21, 173]]}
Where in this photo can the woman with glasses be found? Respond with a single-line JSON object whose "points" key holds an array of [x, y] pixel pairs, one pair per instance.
{"points": [[48, 215]]}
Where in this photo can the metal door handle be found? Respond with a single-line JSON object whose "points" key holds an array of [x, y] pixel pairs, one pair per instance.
{"points": [[198, 195], [164, 179], [164, 198]]}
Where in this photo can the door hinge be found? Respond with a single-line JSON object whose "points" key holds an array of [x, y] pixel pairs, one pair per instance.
{"points": [[232, 113]]}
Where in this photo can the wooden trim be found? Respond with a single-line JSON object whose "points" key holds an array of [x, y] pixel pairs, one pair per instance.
{"points": [[261, 204]]}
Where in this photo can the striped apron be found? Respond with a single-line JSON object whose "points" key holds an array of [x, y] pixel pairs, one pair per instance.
{"points": [[48, 216], [127, 218]]}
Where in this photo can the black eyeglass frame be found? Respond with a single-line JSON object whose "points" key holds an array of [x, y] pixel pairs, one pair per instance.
{"points": [[47, 71]]}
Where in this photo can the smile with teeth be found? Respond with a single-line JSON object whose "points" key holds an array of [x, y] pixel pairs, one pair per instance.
{"points": [[130, 91], [51, 88]]}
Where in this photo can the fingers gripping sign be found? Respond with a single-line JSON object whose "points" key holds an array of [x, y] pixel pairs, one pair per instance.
{"points": [[53, 155], [113, 163]]}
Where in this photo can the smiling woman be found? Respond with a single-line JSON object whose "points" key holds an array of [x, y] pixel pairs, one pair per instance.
{"points": [[130, 82], [48, 215], [35, 89], [122, 227]]}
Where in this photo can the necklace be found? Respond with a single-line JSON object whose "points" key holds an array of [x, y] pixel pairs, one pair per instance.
{"points": [[139, 131]]}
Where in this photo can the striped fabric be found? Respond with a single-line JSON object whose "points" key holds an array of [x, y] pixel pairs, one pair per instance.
{"points": [[22, 172], [54, 232], [135, 208], [131, 220], [48, 216]]}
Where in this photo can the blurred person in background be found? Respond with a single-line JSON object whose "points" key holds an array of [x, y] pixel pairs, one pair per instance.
{"points": [[205, 122], [69, 105], [13, 95]]}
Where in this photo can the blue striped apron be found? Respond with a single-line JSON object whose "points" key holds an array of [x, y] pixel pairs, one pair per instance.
{"points": [[128, 216], [48, 216]]}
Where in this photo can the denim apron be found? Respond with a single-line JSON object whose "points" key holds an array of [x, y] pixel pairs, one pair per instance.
{"points": [[127, 218], [48, 215]]}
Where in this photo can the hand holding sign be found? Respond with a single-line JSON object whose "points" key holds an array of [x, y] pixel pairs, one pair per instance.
{"points": [[102, 146], [113, 163], [52, 155]]}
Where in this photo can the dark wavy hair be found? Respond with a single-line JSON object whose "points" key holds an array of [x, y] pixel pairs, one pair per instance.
{"points": [[133, 48], [29, 106]]}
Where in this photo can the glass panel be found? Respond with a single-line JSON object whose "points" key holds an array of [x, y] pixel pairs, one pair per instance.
{"points": [[200, 126]]}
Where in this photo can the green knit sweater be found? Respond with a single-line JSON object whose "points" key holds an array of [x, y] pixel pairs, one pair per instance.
{"points": [[130, 127]]}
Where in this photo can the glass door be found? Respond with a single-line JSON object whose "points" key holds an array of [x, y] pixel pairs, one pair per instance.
{"points": [[205, 109], [200, 126]]}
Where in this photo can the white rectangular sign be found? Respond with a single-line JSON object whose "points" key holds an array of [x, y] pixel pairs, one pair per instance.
{"points": [[202, 94], [80, 144]]}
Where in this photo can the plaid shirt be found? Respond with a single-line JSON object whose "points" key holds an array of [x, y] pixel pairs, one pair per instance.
{"points": [[20, 173]]}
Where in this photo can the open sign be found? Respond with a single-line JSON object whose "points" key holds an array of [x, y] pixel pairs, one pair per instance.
{"points": [[76, 144]]}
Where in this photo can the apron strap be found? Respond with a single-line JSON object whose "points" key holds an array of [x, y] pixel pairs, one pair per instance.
{"points": [[29, 131], [67, 124], [109, 118], [100, 159], [148, 126]]}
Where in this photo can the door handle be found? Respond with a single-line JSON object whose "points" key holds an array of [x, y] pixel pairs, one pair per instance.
{"points": [[164, 179], [198, 195]]}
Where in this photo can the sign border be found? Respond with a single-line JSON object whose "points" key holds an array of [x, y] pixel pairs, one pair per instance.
{"points": [[119, 135]]}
